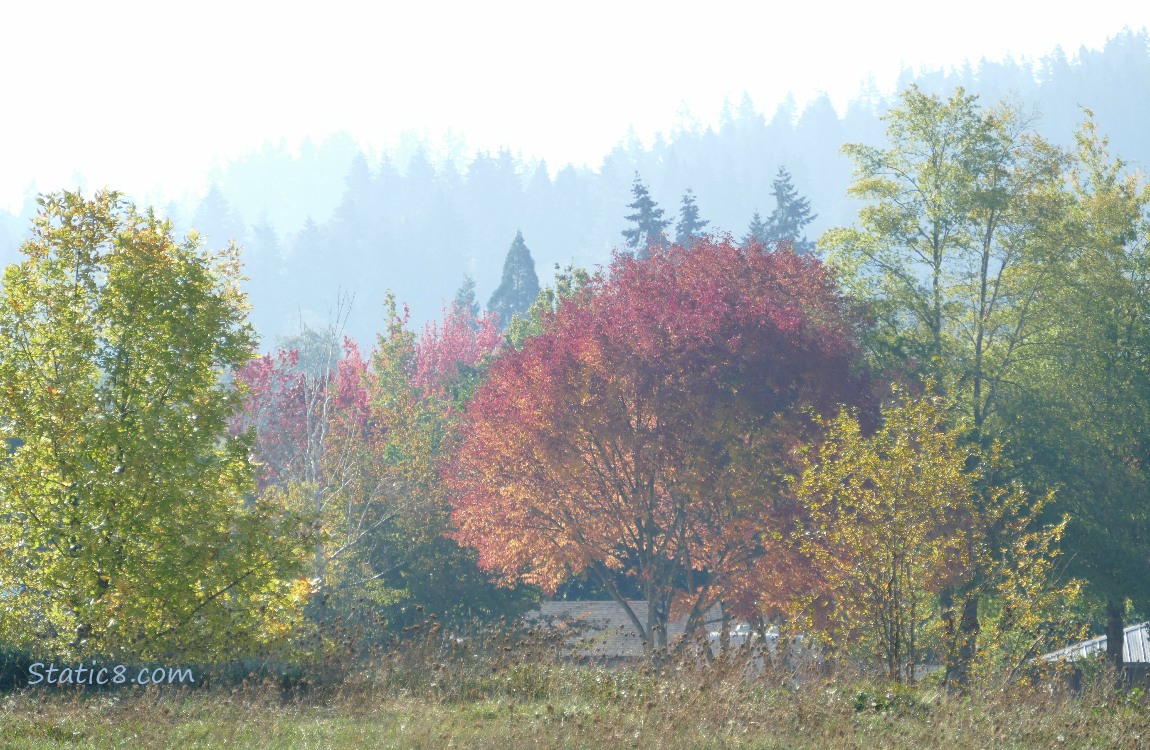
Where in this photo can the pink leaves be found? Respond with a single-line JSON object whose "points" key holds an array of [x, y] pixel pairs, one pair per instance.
{"points": [[460, 340], [292, 411], [352, 384], [276, 407]]}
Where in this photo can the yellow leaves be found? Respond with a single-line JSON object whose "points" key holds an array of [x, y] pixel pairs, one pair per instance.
{"points": [[887, 512], [302, 589], [895, 517], [113, 387]]}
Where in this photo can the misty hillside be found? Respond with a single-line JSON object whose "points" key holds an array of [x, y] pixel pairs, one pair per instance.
{"points": [[328, 217]]}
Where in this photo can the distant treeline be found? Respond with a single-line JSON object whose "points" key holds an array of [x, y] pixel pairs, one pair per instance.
{"points": [[330, 219]]}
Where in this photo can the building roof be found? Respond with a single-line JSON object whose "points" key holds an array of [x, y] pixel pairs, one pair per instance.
{"points": [[602, 629], [1135, 646]]}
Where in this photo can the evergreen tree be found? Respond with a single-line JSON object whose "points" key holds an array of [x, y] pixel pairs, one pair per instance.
{"points": [[757, 232], [465, 297], [520, 285], [792, 213], [648, 220], [690, 226], [217, 220]]}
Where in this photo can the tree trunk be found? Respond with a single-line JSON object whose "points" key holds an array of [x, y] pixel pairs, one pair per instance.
{"points": [[605, 577], [949, 633], [968, 629], [960, 635], [724, 632], [656, 631], [693, 626], [1115, 632]]}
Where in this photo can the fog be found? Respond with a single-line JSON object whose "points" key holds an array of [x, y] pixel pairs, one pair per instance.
{"points": [[320, 218]]}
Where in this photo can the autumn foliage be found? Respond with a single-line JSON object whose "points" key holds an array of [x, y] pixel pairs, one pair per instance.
{"points": [[353, 447], [893, 518], [650, 426]]}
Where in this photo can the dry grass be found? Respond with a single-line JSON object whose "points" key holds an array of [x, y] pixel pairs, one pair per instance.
{"points": [[508, 695]]}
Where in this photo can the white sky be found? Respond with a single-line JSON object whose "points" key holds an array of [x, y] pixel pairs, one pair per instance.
{"points": [[147, 96]]}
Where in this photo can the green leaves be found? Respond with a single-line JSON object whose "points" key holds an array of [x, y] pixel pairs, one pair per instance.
{"points": [[890, 519], [130, 524], [971, 239], [959, 243], [1086, 404]]}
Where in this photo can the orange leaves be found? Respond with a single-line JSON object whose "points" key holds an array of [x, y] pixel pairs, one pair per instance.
{"points": [[649, 426]]}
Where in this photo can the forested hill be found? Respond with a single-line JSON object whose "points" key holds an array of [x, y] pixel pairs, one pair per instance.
{"points": [[329, 218]]}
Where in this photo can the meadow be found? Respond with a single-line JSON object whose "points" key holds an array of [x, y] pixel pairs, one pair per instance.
{"points": [[423, 695]]}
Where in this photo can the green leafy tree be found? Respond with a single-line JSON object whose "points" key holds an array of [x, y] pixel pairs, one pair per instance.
{"points": [[894, 518], [415, 408], [959, 242], [690, 226], [791, 215], [520, 285], [649, 225], [569, 284], [1084, 407], [129, 523], [957, 251]]}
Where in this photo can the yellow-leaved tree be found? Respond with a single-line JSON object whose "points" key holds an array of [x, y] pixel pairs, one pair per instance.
{"points": [[895, 517], [129, 527]]}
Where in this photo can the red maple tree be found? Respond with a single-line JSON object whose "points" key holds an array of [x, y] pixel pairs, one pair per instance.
{"points": [[650, 427]]}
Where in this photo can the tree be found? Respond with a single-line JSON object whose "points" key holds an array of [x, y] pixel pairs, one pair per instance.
{"points": [[299, 405], [277, 399], [690, 225], [1083, 404], [792, 213], [648, 427], [448, 352], [130, 527], [314, 439], [649, 224], [309, 425], [356, 449], [958, 241], [418, 390], [465, 297], [569, 284], [520, 285], [757, 232], [956, 251], [894, 518], [216, 219]]}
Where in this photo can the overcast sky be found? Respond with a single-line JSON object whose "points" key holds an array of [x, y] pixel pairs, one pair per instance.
{"points": [[147, 96]]}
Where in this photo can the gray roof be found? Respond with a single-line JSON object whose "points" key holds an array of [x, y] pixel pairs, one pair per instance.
{"points": [[1135, 646], [602, 629]]}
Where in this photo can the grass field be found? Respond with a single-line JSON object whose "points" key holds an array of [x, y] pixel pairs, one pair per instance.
{"points": [[517, 704]]}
